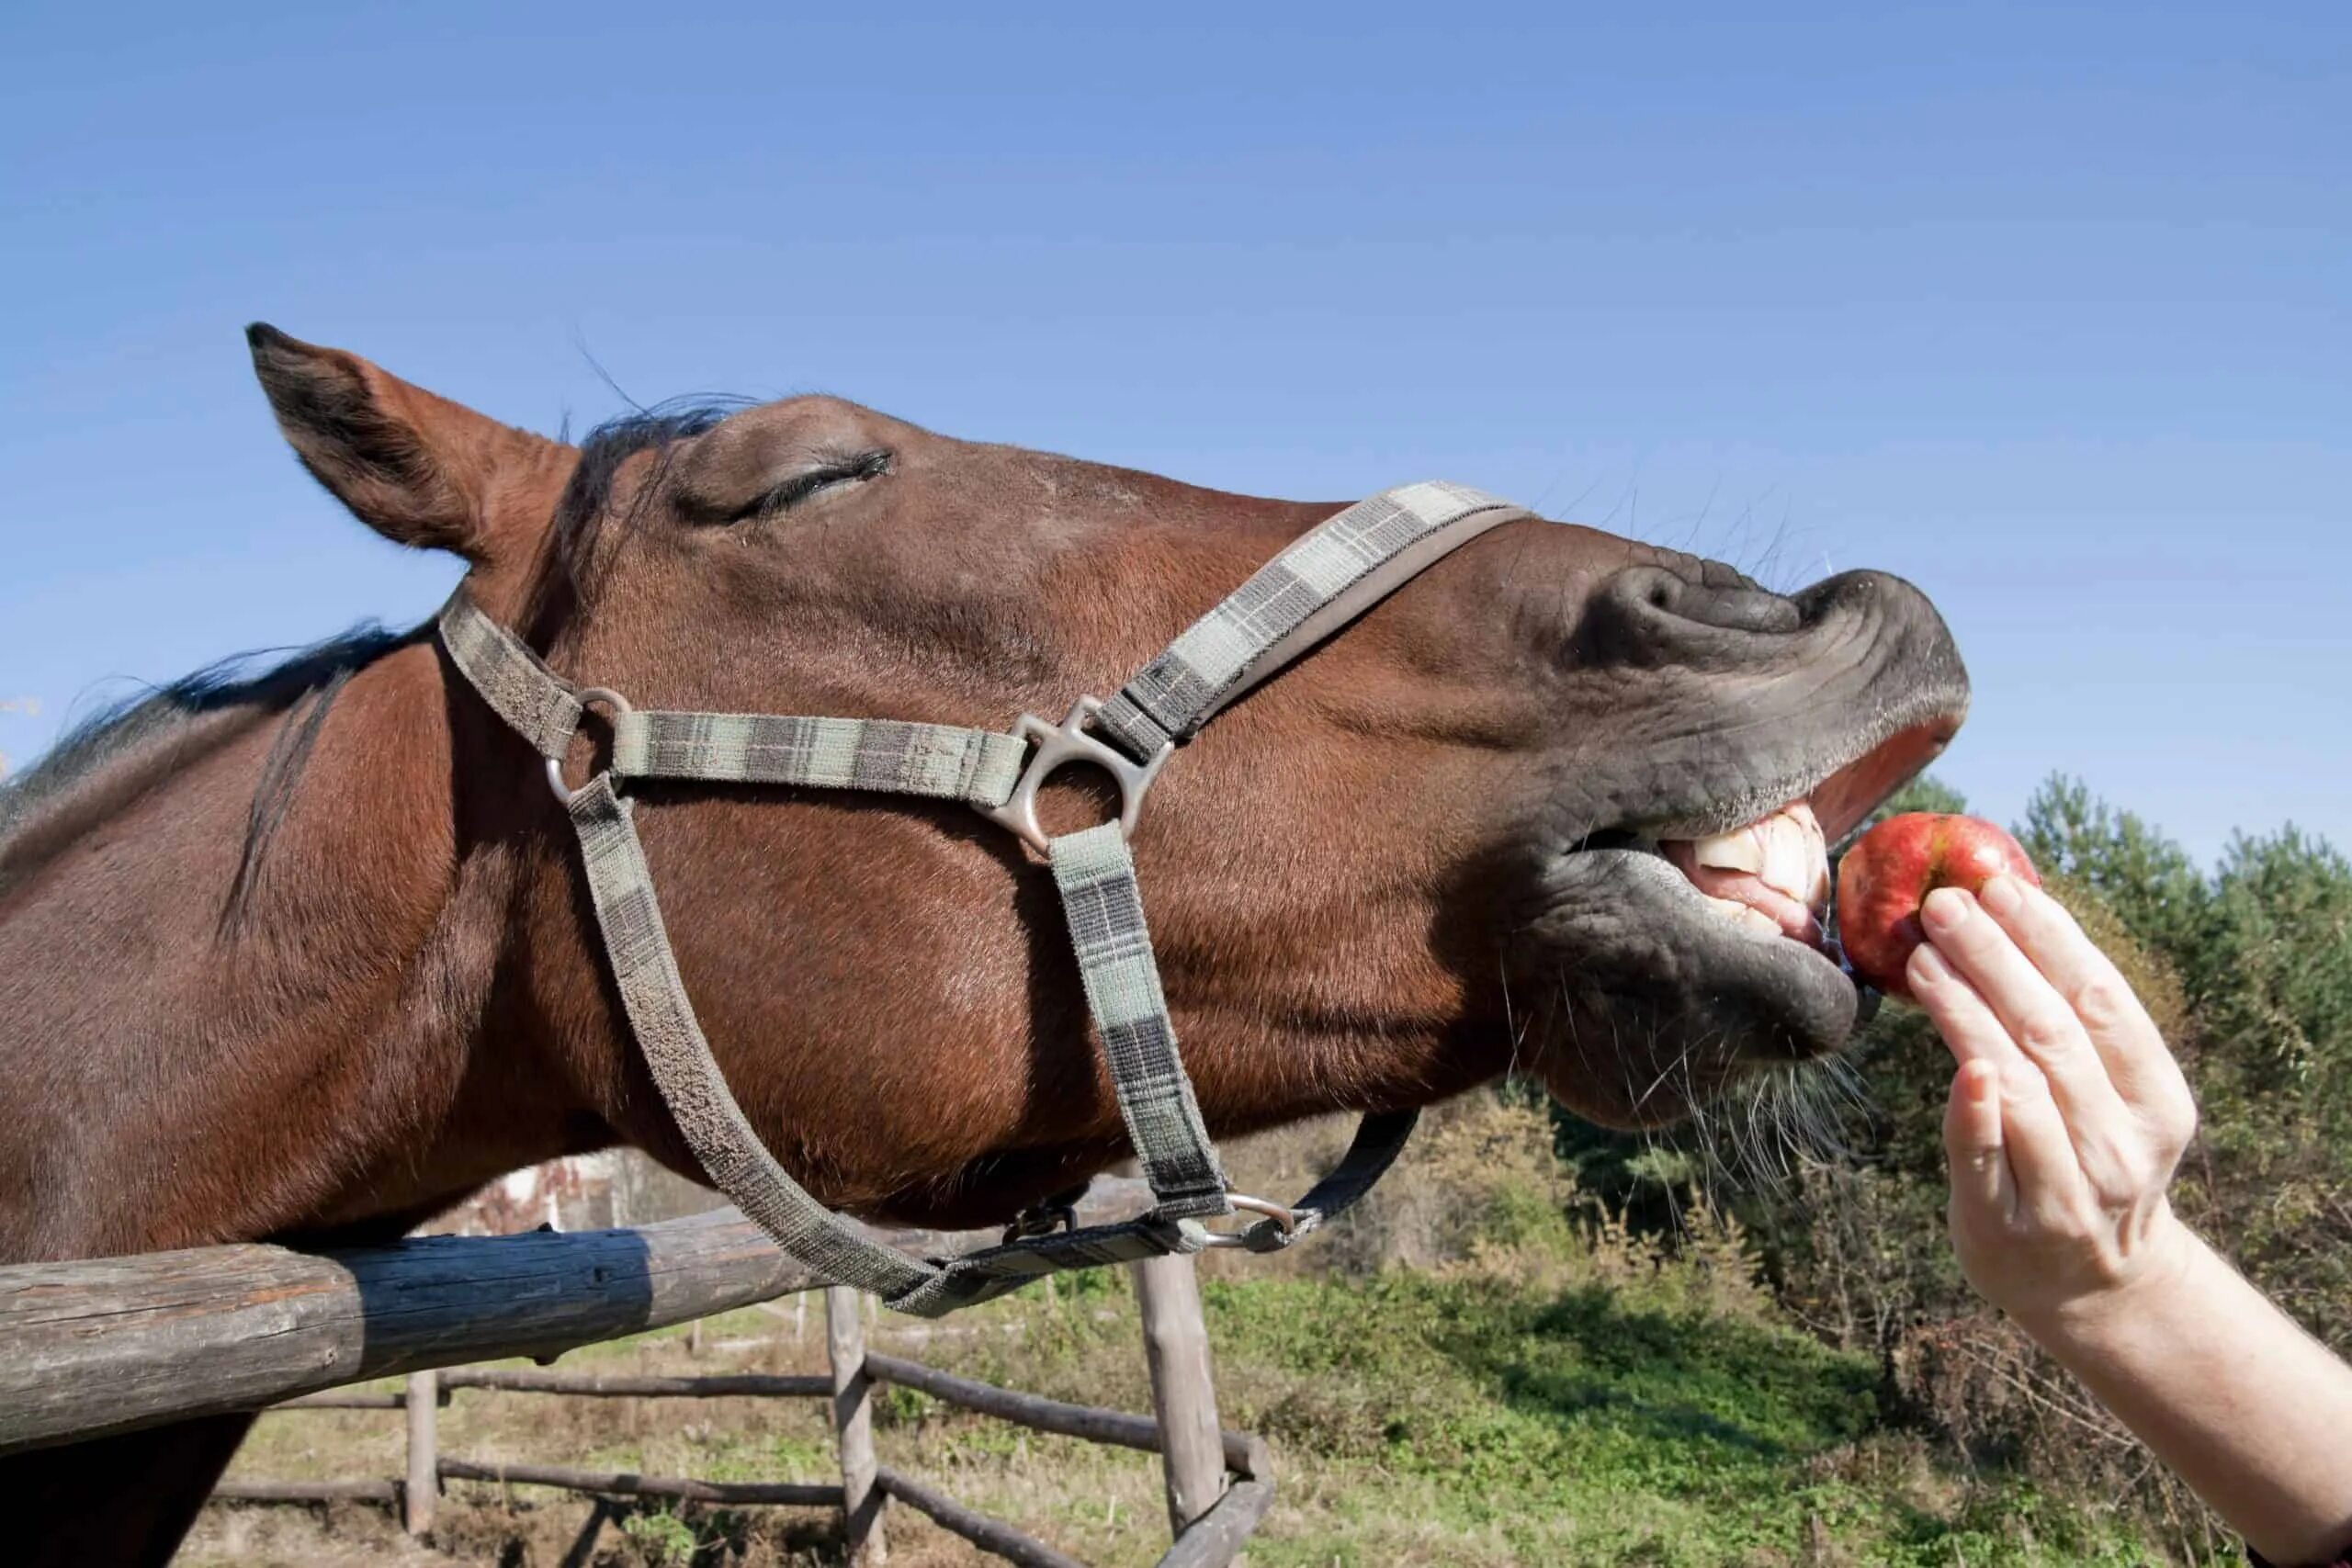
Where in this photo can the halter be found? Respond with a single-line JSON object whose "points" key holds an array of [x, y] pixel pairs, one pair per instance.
{"points": [[1320, 583]]}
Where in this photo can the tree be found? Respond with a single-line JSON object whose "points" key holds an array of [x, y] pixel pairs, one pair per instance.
{"points": [[2272, 977], [2146, 879]]}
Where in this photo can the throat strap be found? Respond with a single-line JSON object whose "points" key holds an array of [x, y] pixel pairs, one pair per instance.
{"points": [[645, 972]]}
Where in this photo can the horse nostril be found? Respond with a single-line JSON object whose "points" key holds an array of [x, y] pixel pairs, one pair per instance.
{"points": [[1741, 610], [1649, 614]]}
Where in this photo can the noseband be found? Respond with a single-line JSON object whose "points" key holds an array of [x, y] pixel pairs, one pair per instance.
{"points": [[1320, 583]]}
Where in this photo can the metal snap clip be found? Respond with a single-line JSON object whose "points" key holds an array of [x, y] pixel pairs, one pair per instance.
{"points": [[1284, 1220], [1041, 1220]]}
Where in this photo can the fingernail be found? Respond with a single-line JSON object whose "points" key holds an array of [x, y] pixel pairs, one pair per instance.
{"points": [[2003, 895], [1945, 910], [1927, 967]]}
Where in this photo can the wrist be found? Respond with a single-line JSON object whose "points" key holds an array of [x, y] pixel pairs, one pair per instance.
{"points": [[2161, 1275]]}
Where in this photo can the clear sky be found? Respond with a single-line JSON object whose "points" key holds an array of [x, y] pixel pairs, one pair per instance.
{"points": [[2045, 307]]}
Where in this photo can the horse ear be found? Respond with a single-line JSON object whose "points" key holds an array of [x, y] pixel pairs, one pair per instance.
{"points": [[418, 468]]}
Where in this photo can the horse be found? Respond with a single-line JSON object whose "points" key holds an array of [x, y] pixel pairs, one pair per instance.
{"points": [[307, 954]]}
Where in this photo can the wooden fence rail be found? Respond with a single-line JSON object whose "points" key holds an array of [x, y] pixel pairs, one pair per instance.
{"points": [[1209, 1538], [338, 1399], [600, 1386], [308, 1492], [625, 1483], [1241, 1452], [113, 1345]]}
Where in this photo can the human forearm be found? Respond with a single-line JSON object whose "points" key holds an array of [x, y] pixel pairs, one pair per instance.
{"points": [[2066, 1120], [2228, 1391]]}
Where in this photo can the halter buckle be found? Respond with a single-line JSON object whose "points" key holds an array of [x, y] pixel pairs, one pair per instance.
{"points": [[1041, 1220], [1057, 745]]}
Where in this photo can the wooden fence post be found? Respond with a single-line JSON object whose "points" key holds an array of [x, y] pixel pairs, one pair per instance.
{"points": [[1176, 1348], [861, 1500], [423, 1492]]}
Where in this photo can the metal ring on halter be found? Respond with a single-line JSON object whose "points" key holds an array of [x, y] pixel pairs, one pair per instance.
{"points": [[1283, 1218], [587, 698]]}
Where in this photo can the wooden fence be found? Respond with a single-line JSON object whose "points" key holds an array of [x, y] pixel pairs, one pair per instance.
{"points": [[113, 1345]]}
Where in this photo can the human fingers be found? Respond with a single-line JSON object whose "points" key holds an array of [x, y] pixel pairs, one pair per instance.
{"points": [[2029, 1007], [2039, 1150], [2113, 1016], [1978, 1165]]}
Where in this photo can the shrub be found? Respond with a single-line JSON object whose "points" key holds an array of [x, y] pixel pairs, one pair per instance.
{"points": [[2247, 970]]}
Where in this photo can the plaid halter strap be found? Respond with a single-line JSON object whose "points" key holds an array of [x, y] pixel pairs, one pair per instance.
{"points": [[1316, 586]]}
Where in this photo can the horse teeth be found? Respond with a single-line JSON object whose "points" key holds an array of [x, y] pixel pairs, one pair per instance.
{"points": [[1785, 852], [1795, 861], [1731, 852], [1747, 917]]}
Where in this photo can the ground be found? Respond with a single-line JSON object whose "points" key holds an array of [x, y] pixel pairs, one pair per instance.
{"points": [[1535, 1393]]}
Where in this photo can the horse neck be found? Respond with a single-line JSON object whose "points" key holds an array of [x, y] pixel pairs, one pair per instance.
{"points": [[228, 1015]]}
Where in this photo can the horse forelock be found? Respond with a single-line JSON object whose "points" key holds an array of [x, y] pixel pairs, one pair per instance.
{"points": [[587, 500]]}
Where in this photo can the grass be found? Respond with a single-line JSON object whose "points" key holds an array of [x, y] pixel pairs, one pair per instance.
{"points": [[1545, 1396]]}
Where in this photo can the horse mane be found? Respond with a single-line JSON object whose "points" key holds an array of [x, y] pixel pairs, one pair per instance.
{"points": [[129, 747], [126, 748]]}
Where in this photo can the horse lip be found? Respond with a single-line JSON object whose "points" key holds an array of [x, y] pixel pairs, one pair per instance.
{"points": [[1848, 782], [1808, 968], [1876, 760]]}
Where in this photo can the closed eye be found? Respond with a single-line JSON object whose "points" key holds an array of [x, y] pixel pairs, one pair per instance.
{"points": [[809, 482]]}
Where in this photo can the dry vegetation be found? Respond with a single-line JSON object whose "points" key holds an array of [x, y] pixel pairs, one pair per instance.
{"points": [[1541, 1344], [1531, 1389]]}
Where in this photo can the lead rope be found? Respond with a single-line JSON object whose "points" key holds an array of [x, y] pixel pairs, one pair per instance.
{"points": [[1310, 590]]}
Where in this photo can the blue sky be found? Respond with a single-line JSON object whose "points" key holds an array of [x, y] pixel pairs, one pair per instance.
{"points": [[2043, 307]]}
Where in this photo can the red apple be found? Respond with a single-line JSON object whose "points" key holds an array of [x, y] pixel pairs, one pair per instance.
{"points": [[1888, 874]]}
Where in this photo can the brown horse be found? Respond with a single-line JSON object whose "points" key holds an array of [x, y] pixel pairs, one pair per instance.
{"points": [[309, 954]]}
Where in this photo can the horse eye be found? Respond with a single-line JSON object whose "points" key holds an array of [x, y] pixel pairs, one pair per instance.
{"points": [[809, 482]]}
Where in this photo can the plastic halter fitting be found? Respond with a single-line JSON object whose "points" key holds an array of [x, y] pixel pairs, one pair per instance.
{"points": [[1057, 746]]}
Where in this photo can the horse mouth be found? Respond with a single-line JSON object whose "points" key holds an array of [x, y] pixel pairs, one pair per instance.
{"points": [[1772, 878], [1675, 953]]}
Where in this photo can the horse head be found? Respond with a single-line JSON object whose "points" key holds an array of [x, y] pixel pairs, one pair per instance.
{"points": [[1558, 805]]}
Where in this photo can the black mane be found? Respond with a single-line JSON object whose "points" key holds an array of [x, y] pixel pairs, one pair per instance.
{"points": [[300, 686], [304, 683]]}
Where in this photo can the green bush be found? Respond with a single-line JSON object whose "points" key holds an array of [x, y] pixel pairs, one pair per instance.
{"points": [[2247, 968]]}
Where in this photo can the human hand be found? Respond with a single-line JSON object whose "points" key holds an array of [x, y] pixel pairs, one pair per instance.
{"points": [[2067, 1116]]}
